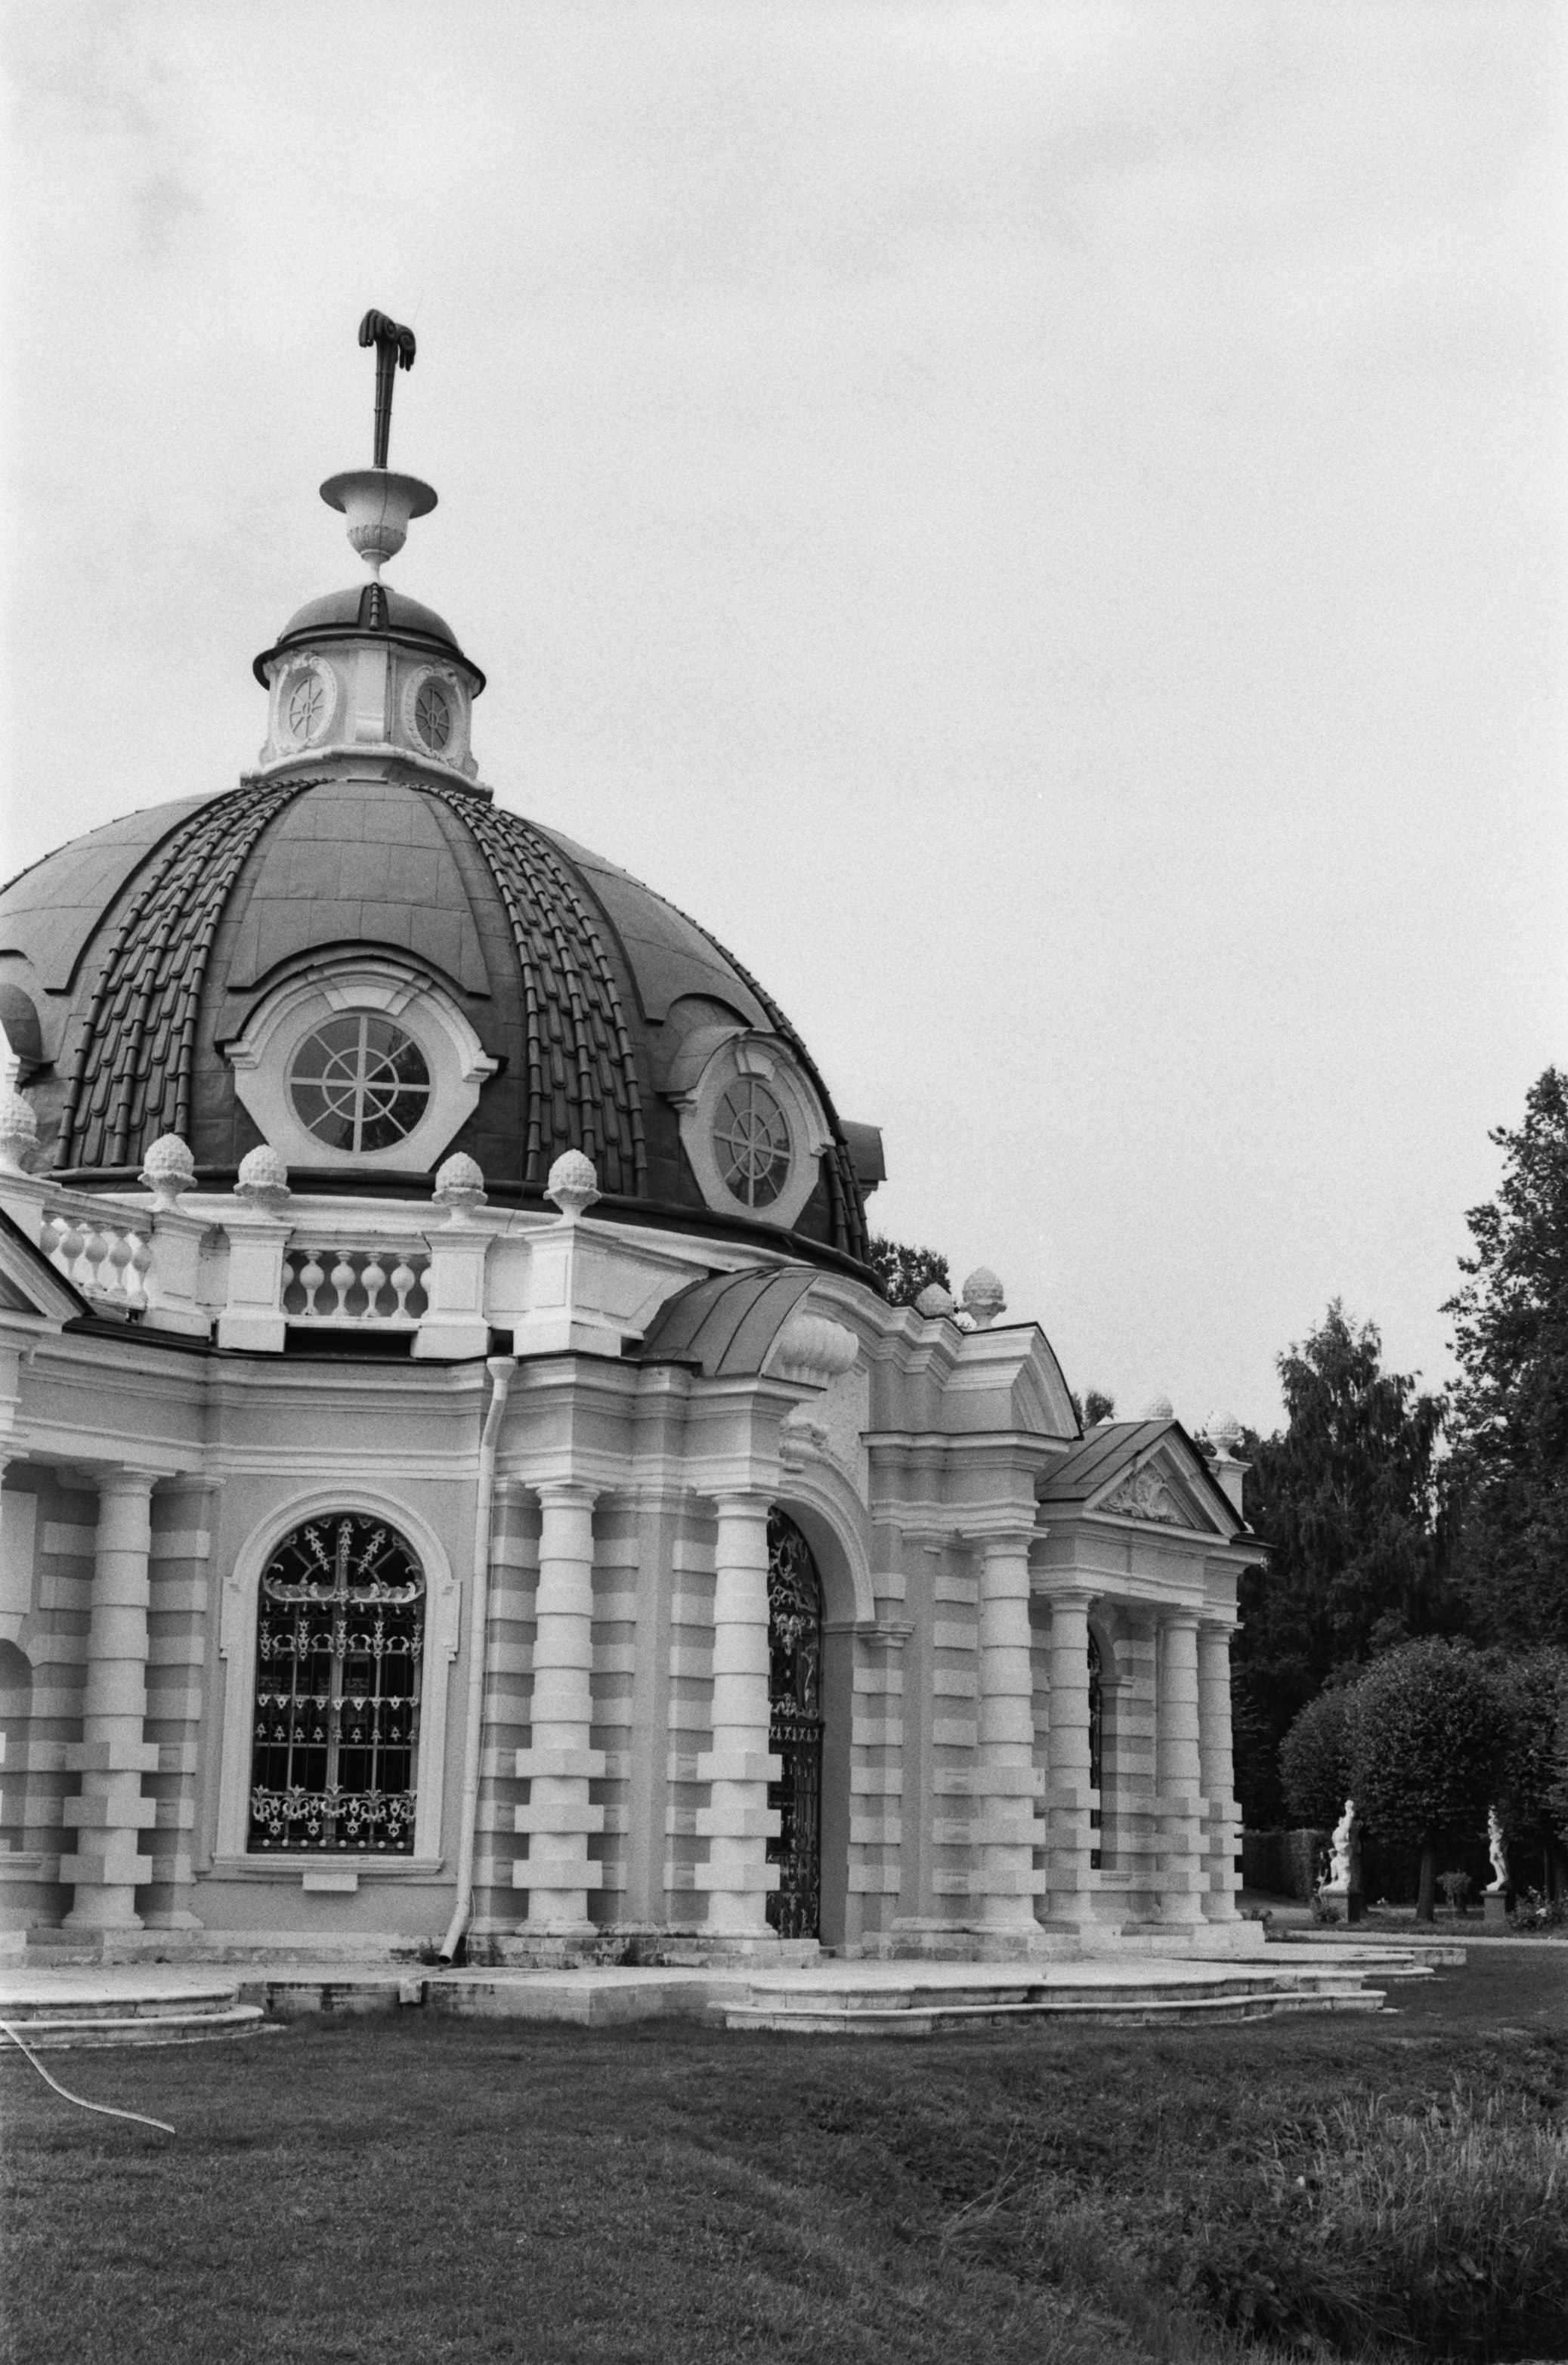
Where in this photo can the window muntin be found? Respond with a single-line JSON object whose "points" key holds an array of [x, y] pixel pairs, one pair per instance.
{"points": [[432, 716], [359, 1082], [307, 704], [339, 1650], [751, 1143]]}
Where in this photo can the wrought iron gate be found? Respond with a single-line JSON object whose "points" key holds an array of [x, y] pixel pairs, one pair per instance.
{"points": [[795, 1727]]}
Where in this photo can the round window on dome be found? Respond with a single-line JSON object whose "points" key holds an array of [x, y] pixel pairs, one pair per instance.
{"points": [[306, 702], [751, 1143], [359, 1083], [432, 716]]}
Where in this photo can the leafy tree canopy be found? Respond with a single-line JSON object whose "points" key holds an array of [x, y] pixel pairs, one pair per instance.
{"points": [[1532, 1689], [1427, 1749], [1094, 1405], [904, 1272], [1315, 1759], [1346, 1496], [1510, 1407]]}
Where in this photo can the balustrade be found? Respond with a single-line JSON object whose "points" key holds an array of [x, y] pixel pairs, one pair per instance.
{"points": [[383, 1286], [106, 1255]]}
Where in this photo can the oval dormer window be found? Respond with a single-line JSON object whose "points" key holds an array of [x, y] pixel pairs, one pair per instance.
{"points": [[359, 1082], [432, 716], [751, 1143]]}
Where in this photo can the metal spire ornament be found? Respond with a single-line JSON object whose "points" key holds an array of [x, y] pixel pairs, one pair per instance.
{"points": [[379, 504]]}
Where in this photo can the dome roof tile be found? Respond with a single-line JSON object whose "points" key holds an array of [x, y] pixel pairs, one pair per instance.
{"points": [[565, 965]]}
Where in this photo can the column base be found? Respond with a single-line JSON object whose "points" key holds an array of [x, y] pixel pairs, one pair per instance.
{"points": [[100, 1920]]}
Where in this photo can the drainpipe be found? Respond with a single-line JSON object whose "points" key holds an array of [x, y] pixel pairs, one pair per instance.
{"points": [[500, 1368]]}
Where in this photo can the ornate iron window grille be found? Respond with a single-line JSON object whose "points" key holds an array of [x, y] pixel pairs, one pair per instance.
{"points": [[339, 1650], [795, 1728]]}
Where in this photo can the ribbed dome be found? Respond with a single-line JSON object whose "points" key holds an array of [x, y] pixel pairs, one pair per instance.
{"points": [[145, 946], [367, 608]]}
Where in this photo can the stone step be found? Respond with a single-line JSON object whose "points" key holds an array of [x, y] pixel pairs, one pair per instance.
{"points": [[1111, 2006], [130, 2027], [918, 1995], [93, 2001]]}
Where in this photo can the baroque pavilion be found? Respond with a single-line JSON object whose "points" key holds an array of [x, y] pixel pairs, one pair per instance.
{"points": [[464, 1486]]}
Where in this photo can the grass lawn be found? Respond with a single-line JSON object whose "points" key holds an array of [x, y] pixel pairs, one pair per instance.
{"points": [[415, 2190]]}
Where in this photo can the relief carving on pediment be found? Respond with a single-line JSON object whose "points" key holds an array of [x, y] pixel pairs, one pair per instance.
{"points": [[1144, 1495]]}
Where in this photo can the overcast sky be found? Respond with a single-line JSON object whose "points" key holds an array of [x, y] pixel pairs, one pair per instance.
{"points": [[1042, 525]]}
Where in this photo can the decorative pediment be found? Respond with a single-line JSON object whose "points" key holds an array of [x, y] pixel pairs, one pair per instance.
{"points": [[1144, 1495], [1162, 1494]]}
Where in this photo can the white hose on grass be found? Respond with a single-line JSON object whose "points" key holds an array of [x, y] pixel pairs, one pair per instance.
{"points": [[105, 2109]]}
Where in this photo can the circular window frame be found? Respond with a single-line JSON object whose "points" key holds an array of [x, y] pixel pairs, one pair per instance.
{"points": [[263, 1059], [742, 1056], [423, 676], [365, 1086], [290, 675]]}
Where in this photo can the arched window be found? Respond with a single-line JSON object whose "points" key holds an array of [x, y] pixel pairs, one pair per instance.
{"points": [[339, 1648], [795, 1727]]}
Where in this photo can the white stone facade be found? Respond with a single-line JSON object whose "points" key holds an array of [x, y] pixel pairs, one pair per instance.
{"points": [[175, 1401]]}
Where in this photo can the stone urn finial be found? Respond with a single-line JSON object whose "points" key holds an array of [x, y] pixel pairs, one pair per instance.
{"points": [[18, 1132], [262, 1180], [167, 1169], [1224, 1431], [933, 1302], [983, 1298], [459, 1187], [1159, 1409], [572, 1183]]}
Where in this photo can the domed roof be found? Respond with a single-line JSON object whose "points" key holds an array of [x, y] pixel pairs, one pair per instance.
{"points": [[145, 947], [367, 608]]}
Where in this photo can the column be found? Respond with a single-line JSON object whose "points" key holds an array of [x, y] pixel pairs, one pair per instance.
{"points": [[1181, 1872], [1221, 1822], [107, 1866], [1003, 1824], [559, 1765], [738, 1822], [1069, 1839]]}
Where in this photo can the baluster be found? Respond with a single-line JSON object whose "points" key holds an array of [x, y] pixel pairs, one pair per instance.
{"points": [[74, 1240], [139, 1265], [95, 1248], [114, 1263], [310, 1279], [421, 1275], [403, 1279], [51, 1231], [343, 1277], [374, 1280]]}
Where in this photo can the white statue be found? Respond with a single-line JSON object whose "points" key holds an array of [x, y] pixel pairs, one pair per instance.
{"points": [[1341, 1869], [1495, 1887]]}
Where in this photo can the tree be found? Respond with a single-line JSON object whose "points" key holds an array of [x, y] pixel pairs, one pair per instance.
{"points": [[904, 1272], [1510, 1421], [1427, 1749], [1533, 1690], [1347, 1496], [1092, 1407], [1315, 1759]]}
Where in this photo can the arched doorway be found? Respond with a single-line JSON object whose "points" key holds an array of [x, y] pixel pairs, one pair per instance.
{"points": [[795, 1727]]}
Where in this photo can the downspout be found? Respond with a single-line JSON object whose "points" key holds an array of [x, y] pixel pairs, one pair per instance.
{"points": [[500, 1368]]}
